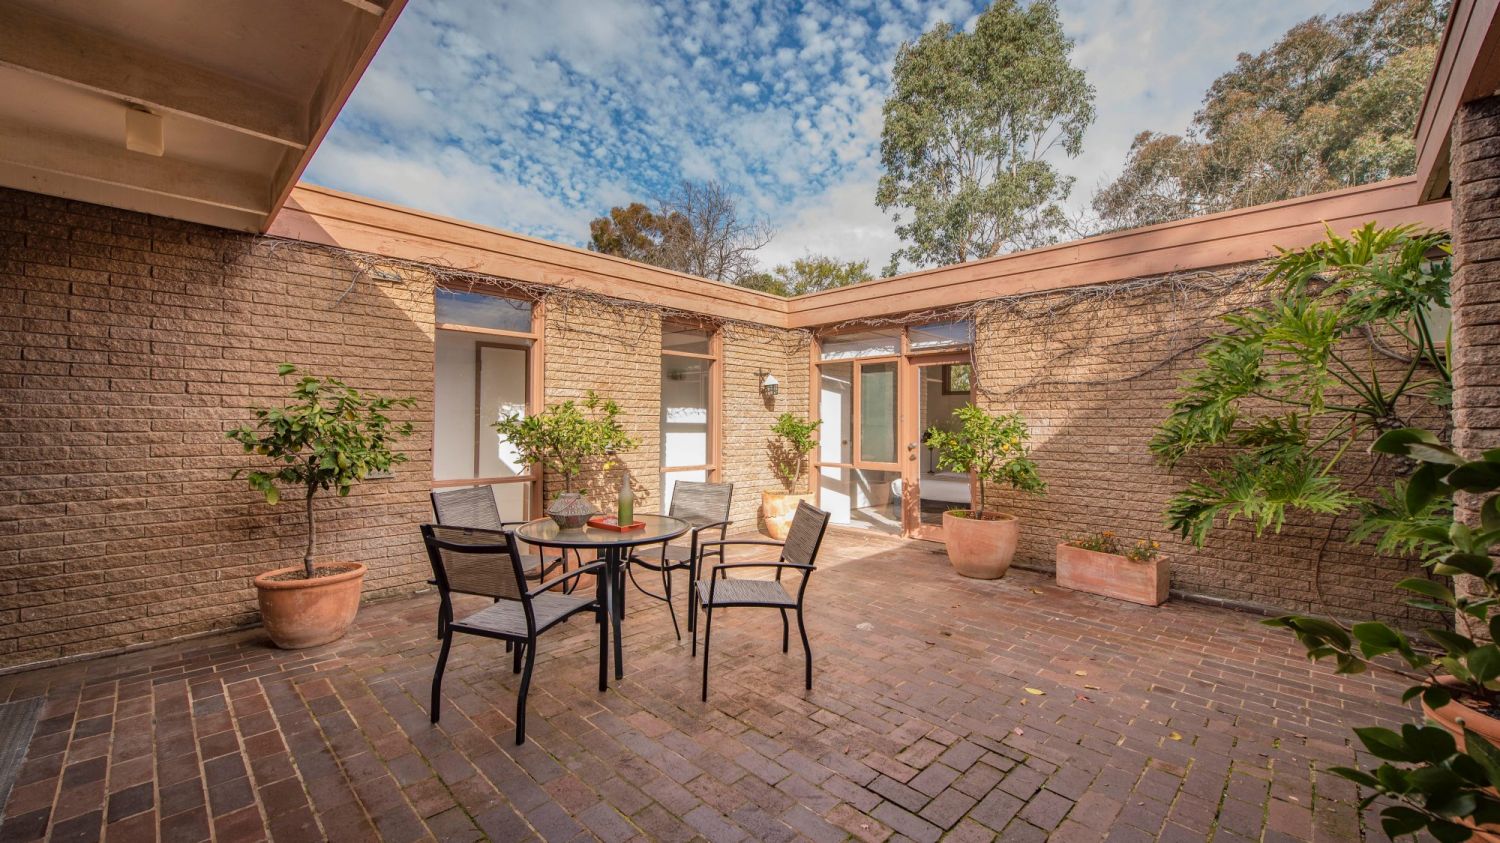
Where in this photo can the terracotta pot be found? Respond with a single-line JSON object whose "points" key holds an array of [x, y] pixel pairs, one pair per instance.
{"points": [[980, 548], [778, 508], [1112, 575], [1454, 717], [305, 613]]}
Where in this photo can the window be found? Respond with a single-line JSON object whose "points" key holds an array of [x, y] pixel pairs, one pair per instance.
{"points": [[958, 379], [861, 344], [689, 407], [480, 310], [943, 335], [481, 378]]}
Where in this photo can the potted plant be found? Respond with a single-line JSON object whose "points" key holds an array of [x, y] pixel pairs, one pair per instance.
{"points": [[567, 439], [1096, 563], [993, 449], [328, 438], [1440, 778], [793, 439]]}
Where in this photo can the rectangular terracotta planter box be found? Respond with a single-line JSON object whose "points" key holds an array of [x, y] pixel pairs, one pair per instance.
{"points": [[1112, 575]]}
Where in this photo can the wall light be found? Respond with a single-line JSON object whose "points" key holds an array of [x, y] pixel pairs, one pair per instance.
{"points": [[769, 385]]}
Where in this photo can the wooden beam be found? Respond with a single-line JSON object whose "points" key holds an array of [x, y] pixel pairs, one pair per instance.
{"points": [[37, 44], [367, 6], [349, 58], [111, 164]]}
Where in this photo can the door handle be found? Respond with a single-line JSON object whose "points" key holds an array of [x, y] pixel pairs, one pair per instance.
{"points": [[911, 447]]}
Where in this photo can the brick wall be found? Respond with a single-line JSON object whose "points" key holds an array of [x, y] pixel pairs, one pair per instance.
{"points": [[1475, 171], [749, 354], [128, 345], [1094, 376]]}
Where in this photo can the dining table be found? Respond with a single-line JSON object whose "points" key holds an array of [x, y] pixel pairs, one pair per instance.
{"points": [[614, 547]]}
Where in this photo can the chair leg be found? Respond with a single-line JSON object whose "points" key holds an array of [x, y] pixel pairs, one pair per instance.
{"points": [[785, 632], [708, 629], [437, 677], [603, 648], [441, 625], [530, 648], [516, 657], [666, 585], [692, 618], [806, 647]]}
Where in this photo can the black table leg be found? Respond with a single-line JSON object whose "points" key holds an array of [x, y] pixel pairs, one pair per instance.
{"points": [[615, 573]]}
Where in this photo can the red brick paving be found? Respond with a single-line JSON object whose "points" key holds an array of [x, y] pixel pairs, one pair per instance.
{"points": [[1178, 723]]}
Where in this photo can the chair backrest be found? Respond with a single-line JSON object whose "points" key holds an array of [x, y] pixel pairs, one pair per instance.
{"points": [[472, 561], [701, 503], [474, 507], [805, 535]]}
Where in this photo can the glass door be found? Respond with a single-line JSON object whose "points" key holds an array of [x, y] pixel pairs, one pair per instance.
{"points": [[858, 401], [941, 384]]}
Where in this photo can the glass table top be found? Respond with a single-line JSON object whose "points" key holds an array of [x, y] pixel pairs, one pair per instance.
{"points": [[544, 531]]}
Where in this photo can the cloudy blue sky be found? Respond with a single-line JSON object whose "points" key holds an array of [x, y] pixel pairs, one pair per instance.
{"points": [[538, 116]]}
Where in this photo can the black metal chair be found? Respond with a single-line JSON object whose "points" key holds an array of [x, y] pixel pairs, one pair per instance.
{"points": [[473, 562], [799, 552], [475, 508], [706, 507]]}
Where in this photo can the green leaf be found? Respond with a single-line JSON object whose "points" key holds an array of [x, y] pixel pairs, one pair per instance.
{"points": [[285, 369], [1484, 662], [1376, 638], [1429, 588], [1399, 819], [1485, 753], [1433, 745], [1386, 744], [1396, 442]]}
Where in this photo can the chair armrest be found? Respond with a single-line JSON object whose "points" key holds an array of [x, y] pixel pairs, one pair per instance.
{"points": [[762, 542], [701, 527], [718, 568], [556, 581]]}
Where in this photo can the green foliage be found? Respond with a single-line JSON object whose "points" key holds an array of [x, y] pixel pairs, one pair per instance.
{"points": [[808, 274], [568, 438], [1332, 104], [1430, 783], [329, 438], [1279, 398], [793, 439], [1104, 542], [971, 122], [698, 228], [993, 448]]}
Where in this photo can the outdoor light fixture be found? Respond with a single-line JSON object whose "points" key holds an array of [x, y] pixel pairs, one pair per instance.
{"points": [[769, 385]]}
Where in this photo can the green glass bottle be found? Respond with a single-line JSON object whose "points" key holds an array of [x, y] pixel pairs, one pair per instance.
{"points": [[626, 515]]}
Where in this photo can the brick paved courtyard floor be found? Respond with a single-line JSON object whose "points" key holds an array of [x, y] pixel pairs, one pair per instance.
{"points": [[941, 707]]}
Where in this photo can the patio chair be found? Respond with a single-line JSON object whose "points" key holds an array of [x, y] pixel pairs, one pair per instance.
{"points": [[706, 507], [799, 552], [484, 562], [475, 508]]}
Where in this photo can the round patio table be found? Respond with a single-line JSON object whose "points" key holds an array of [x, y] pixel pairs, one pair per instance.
{"points": [[613, 546]]}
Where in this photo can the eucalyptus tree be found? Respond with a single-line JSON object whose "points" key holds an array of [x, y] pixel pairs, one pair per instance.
{"points": [[973, 125]]}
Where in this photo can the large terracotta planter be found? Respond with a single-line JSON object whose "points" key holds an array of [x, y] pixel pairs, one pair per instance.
{"points": [[1112, 575], [980, 548], [305, 613], [778, 508]]}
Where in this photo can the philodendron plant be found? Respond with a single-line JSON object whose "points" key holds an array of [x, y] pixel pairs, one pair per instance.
{"points": [[1431, 783], [328, 438]]}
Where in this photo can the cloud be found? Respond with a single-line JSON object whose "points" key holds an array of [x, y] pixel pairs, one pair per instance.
{"points": [[538, 116]]}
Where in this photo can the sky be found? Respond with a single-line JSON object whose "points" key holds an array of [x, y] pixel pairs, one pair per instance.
{"points": [[536, 117]]}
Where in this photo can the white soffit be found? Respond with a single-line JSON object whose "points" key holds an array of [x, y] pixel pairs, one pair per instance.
{"points": [[244, 91]]}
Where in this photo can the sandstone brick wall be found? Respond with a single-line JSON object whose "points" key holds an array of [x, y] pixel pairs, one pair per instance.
{"points": [[128, 345], [615, 351], [750, 353], [1475, 171], [1094, 376]]}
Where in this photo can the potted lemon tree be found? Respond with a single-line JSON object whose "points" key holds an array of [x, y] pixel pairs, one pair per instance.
{"points": [[793, 438], [569, 439], [329, 437], [993, 449]]}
